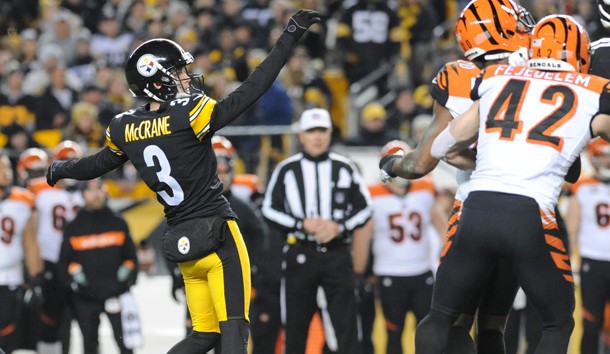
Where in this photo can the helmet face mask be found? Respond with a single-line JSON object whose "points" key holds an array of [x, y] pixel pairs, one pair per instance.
{"points": [[157, 70], [492, 29]]}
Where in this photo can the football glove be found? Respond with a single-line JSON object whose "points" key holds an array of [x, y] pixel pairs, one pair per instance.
{"points": [[300, 22], [33, 297], [52, 173], [385, 166]]}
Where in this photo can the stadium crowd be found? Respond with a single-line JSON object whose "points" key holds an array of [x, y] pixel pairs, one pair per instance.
{"points": [[62, 79]]}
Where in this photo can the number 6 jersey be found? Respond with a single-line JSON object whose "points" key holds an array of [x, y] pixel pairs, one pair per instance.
{"points": [[533, 124]]}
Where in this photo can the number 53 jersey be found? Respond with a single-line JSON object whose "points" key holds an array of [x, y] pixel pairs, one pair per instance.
{"points": [[172, 152], [533, 124], [403, 229]]}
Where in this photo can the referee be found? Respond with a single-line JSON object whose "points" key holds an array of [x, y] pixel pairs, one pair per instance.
{"points": [[317, 199]]}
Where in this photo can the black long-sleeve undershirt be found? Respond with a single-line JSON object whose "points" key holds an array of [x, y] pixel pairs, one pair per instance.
{"points": [[225, 111]]}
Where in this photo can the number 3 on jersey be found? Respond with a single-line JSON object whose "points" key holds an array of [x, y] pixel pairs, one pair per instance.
{"points": [[504, 113], [152, 151]]}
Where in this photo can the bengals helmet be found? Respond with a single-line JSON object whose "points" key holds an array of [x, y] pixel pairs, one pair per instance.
{"points": [[223, 147], [153, 67], [32, 163], [599, 155], [394, 147], [492, 29], [67, 150], [559, 43]]}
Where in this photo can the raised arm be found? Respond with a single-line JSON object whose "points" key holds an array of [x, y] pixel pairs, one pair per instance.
{"points": [[229, 108]]}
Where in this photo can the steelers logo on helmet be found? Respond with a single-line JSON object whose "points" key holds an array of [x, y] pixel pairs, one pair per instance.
{"points": [[147, 65], [184, 245]]}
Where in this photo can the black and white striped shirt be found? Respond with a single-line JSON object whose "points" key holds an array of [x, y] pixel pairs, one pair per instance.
{"points": [[328, 187]]}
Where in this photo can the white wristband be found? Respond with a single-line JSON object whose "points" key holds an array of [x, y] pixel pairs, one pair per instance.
{"points": [[443, 142]]}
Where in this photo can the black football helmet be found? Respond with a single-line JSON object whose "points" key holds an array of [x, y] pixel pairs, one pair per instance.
{"points": [[152, 70]]}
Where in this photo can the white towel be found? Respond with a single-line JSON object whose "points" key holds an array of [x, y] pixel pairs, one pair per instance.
{"points": [[130, 321]]}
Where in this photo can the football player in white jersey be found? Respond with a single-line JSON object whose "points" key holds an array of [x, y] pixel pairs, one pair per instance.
{"points": [[17, 244], [56, 206], [530, 126], [588, 218], [404, 238], [488, 32]]}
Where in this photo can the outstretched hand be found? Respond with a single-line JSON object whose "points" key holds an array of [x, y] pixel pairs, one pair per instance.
{"points": [[301, 21], [51, 176]]}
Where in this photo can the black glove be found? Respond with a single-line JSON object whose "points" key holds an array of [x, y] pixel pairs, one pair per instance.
{"points": [[300, 22], [385, 165], [52, 177], [33, 297], [177, 283]]}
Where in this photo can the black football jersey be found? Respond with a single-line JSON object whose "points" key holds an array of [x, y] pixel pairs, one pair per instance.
{"points": [[172, 151], [600, 58]]}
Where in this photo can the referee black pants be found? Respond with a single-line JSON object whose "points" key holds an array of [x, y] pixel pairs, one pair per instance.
{"points": [[305, 268]]}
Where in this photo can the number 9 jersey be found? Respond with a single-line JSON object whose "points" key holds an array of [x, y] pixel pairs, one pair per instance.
{"points": [[172, 151]]}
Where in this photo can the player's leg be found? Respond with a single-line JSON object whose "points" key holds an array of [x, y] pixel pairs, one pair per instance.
{"points": [[53, 309], [593, 302], [299, 288], [230, 288], [459, 341], [543, 268], [338, 283], [495, 305], [394, 297], [218, 290], [87, 314], [465, 266], [265, 321], [10, 308]]}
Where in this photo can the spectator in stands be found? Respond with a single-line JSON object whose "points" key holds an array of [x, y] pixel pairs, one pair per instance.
{"points": [[110, 43], [373, 129], [402, 112], [18, 140], [63, 32], [83, 64], [368, 35], [28, 53], [39, 79], [205, 22], [420, 42], [53, 107], [136, 19], [15, 106], [84, 127], [99, 263], [418, 127]]}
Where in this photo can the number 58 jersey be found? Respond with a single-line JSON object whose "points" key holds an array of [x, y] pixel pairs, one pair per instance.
{"points": [[171, 150], [532, 126]]}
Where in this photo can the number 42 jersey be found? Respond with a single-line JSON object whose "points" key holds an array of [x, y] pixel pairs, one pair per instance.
{"points": [[172, 151], [533, 124]]}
